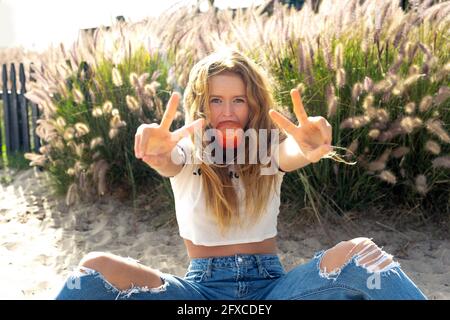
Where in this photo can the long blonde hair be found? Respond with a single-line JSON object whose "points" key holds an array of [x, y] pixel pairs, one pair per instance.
{"points": [[220, 195]]}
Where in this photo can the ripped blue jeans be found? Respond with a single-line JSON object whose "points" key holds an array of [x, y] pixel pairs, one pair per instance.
{"points": [[254, 277]]}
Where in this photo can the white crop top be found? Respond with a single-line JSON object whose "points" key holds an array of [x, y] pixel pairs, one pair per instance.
{"points": [[198, 225]]}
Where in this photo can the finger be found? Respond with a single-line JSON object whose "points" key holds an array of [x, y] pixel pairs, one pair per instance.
{"points": [[324, 127], [152, 161], [169, 113], [143, 141], [282, 121], [147, 132], [317, 154], [187, 129], [137, 141], [299, 110], [328, 132]]}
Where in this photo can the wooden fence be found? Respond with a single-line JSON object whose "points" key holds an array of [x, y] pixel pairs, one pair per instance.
{"points": [[17, 113]]}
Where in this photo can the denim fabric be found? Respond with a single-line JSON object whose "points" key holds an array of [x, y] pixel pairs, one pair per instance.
{"points": [[253, 277]]}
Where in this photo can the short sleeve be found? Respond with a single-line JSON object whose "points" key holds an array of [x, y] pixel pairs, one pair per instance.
{"points": [[185, 146], [181, 152], [278, 166]]}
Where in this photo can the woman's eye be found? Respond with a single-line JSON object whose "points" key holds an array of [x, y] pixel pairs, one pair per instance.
{"points": [[215, 100], [240, 100]]}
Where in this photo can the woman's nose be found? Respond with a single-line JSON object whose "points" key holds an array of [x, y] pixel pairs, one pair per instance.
{"points": [[227, 109]]}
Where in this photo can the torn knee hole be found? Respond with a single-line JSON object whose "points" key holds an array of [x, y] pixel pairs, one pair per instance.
{"points": [[335, 258], [145, 289], [366, 253], [373, 258], [378, 262], [85, 270]]}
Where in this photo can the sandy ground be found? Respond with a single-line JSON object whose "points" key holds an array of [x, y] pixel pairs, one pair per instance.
{"points": [[42, 241]]}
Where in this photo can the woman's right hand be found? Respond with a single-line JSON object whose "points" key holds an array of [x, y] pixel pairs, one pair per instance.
{"points": [[153, 143]]}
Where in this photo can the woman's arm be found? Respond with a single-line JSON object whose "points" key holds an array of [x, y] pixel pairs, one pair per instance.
{"points": [[165, 165], [307, 142], [291, 157], [158, 147]]}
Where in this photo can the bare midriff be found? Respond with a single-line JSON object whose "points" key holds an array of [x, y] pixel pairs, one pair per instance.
{"points": [[268, 246]]}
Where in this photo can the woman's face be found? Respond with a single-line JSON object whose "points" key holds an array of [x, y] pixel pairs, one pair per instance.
{"points": [[228, 101]]}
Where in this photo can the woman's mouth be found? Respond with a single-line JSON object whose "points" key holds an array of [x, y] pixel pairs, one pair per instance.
{"points": [[228, 124], [228, 134]]}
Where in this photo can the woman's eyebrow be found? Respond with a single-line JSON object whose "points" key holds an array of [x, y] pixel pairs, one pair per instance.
{"points": [[219, 96]]}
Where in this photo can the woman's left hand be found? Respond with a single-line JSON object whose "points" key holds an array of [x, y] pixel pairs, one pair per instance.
{"points": [[313, 134]]}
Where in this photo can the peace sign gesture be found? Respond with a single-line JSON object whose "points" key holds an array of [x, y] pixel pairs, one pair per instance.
{"points": [[154, 142], [312, 134]]}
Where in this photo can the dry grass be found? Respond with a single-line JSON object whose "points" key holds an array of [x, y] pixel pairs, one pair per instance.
{"points": [[378, 74]]}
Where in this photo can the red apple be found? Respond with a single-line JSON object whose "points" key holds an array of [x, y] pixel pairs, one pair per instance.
{"points": [[228, 134]]}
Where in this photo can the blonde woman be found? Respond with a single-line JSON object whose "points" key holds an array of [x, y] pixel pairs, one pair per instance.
{"points": [[227, 203]]}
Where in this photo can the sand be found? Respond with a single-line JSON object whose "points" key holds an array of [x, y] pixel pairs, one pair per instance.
{"points": [[42, 240]]}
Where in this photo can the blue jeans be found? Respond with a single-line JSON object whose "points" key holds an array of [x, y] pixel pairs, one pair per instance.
{"points": [[248, 277]]}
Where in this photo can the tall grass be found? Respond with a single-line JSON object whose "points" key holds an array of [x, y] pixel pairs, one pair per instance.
{"points": [[387, 100], [379, 75], [91, 115]]}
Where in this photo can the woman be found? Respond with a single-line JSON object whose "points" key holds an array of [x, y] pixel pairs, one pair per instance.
{"points": [[227, 209]]}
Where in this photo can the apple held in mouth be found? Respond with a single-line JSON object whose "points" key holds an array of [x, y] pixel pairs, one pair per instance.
{"points": [[229, 134]]}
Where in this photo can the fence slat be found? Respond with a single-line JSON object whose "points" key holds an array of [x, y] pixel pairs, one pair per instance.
{"points": [[15, 145], [23, 113], [6, 109], [16, 113], [34, 117]]}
